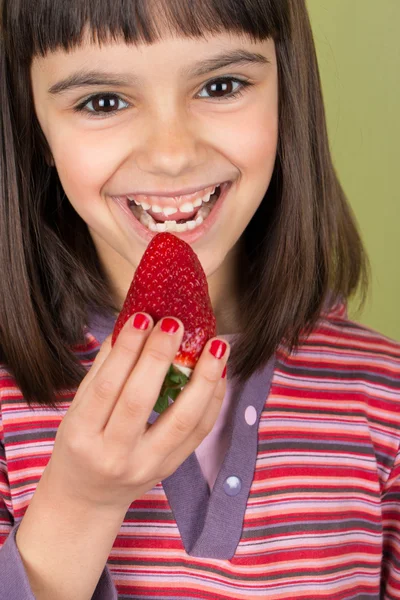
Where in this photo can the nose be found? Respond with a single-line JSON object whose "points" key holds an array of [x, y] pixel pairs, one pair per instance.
{"points": [[170, 147]]}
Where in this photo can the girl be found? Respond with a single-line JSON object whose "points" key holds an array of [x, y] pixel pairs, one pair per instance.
{"points": [[279, 481]]}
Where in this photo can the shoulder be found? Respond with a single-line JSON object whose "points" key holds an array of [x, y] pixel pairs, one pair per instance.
{"points": [[350, 374], [8, 385], [368, 361], [355, 345], [343, 354], [15, 409], [10, 397], [356, 365], [85, 353], [348, 346]]}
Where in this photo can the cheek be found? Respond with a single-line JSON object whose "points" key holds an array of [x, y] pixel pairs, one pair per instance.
{"points": [[87, 163], [258, 135], [251, 141], [255, 155]]}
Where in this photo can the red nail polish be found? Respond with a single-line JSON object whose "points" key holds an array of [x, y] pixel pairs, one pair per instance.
{"points": [[141, 322], [224, 373], [218, 348], [169, 325]]}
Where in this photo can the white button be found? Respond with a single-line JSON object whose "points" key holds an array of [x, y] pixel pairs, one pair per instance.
{"points": [[250, 415], [232, 485]]}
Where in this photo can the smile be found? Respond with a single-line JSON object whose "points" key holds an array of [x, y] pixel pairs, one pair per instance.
{"points": [[189, 216]]}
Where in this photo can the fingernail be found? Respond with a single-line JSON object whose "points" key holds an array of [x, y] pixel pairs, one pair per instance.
{"points": [[218, 348], [169, 325], [141, 322], [224, 373]]}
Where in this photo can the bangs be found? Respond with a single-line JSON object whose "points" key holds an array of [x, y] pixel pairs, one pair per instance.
{"points": [[35, 27]]}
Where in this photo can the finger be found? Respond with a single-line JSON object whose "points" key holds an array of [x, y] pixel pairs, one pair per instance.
{"points": [[101, 356], [96, 400], [131, 413], [179, 421], [194, 439]]}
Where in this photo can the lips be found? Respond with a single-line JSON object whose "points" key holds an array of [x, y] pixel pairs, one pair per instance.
{"points": [[191, 235]]}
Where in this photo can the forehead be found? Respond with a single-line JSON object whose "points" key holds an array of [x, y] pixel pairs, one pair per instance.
{"points": [[61, 24], [182, 57]]}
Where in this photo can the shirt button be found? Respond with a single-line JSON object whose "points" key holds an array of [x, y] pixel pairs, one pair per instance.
{"points": [[250, 415], [232, 486]]}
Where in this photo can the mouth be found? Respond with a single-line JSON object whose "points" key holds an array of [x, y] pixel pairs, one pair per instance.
{"points": [[179, 222]]}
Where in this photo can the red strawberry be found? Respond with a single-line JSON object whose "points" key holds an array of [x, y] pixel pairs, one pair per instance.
{"points": [[170, 281]]}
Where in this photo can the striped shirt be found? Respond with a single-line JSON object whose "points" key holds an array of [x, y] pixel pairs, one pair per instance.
{"points": [[306, 503]]}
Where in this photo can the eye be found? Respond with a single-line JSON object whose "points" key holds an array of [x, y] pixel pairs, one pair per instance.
{"points": [[102, 104], [224, 87], [107, 104]]}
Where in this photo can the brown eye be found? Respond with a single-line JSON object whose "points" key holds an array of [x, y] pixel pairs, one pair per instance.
{"points": [[103, 104], [220, 88], [225, 87]]}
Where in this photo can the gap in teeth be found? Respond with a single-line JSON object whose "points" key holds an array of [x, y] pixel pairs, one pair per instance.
{"points": [[147, 220]]}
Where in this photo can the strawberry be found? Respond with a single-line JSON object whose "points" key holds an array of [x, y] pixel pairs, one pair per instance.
{"points": [[170, 281]]}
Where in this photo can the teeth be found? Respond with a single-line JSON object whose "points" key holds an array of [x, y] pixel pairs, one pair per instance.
{"points": [[169, 211], [147, 220], [208, 196], [171, 226], [187, 207], [204, 212]]}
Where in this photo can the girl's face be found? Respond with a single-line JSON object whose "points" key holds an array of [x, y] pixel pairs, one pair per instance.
{"points": [[153, 123]]}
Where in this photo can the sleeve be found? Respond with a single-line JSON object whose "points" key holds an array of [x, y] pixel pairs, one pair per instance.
{"points": [[14, 582], [390, 574]]}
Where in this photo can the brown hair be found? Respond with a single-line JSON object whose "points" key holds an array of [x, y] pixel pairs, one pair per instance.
{"points": [[301, 248]]}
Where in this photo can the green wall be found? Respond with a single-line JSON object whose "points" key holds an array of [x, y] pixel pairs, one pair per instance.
{"points": [[358, 46]]}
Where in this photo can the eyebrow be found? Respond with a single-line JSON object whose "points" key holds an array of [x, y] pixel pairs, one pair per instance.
{"points": [[226, 59]]}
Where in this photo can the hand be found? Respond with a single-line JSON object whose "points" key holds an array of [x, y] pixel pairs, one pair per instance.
{"points": [[105, 452]]}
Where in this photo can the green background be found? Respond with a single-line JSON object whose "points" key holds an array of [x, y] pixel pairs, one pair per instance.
{"points": [[358, 47]]}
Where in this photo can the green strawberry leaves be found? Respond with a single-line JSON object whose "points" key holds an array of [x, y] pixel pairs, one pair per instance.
{"points": [[173, 384]]}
